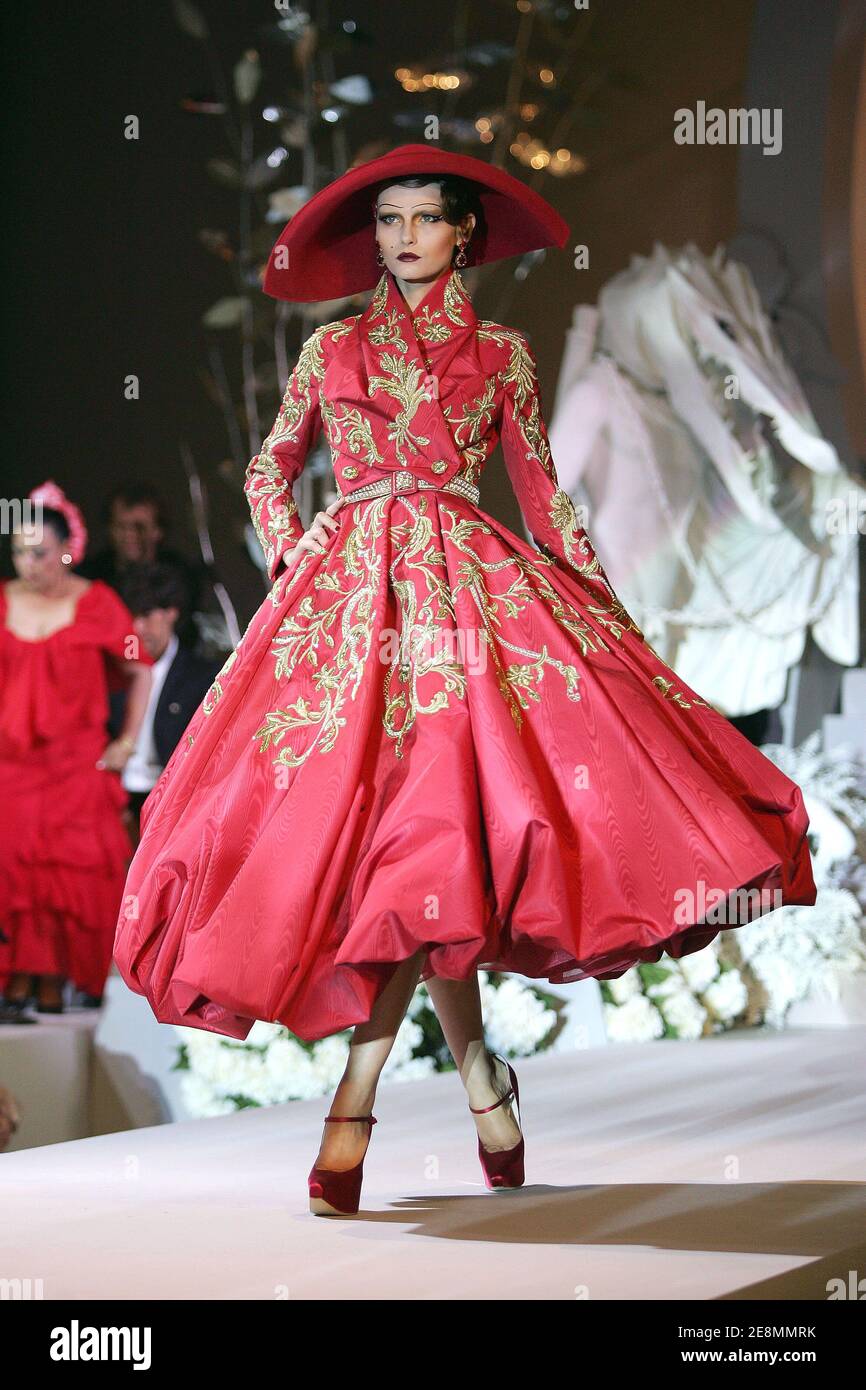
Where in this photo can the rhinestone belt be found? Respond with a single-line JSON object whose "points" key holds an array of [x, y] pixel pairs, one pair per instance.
{"points": [[404, 481]]}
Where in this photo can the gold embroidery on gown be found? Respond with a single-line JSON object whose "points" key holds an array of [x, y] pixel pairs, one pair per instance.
{"points": [[329, 633]]}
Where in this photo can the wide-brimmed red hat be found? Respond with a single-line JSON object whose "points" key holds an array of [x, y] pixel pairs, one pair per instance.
{"points": [[331, 243]]}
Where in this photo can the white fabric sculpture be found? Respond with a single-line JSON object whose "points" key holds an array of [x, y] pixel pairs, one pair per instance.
{"points": [[726, 522]]}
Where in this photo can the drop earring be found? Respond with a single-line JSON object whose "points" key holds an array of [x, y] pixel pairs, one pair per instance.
{"points": [[460, 258], [380, 259]]}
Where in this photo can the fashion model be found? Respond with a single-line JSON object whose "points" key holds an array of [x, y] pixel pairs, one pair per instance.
{"points": [[64, 851], [437, 748]]}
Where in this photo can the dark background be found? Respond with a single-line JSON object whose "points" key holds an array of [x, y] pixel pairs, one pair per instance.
{"points": [[104, 273]]}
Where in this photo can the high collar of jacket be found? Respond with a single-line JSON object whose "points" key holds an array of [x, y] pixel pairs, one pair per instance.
{"points": [[430, 335], [412, 362]]}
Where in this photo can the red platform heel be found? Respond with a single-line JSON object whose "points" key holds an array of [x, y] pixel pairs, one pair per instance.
{"points": [[334, 1193], [503, 1167]]}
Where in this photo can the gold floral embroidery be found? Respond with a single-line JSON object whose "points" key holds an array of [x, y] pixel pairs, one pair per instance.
{"points": [[216, 689], [677, 696], [532, 428], [330, 631], [308, 636], [389, 332], [334, 639], [357, 427], [272, 507], [430, 331], [519, 375], [477, 416], [379, 297], [406, 383], [456, 295], [519, 369], [517, 680], [308, 631], [426, 627]]}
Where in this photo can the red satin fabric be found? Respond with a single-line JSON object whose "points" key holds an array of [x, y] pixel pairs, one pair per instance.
{"points": [[434, 735], [64, 849]]}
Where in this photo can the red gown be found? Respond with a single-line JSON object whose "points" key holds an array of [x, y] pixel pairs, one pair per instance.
{"points": [[435, 735], [64, 850]]}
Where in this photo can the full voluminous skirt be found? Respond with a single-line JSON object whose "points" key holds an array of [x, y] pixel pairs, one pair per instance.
{"points": [[429, 737]]}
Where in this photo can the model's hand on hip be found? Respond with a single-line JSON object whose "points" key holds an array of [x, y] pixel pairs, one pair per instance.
{"points": [[319, 535]]}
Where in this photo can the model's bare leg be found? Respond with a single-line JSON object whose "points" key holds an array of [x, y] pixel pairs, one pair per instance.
{"points": [[344, 1145], [458, 1008]]}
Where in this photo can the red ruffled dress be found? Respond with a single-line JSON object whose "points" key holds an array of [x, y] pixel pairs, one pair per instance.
{"points": [[437, 735], [64, 850]]}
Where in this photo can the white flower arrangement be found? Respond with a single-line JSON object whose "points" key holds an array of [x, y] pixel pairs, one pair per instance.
{"points": [[271, 1066], [688, 998], [753, 975]]}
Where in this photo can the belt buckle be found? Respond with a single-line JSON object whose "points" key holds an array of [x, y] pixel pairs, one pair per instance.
{"points": [[403, 481]]}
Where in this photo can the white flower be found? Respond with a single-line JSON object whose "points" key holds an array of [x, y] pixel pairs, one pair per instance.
{"points": [[625, 986], [797, 951], [671, 984], [420, 1000], [700, 967], [262, 1033], [638, 1020], [515, 1019], [414, 1069], [833, 838], [199, 1099], [727, 996], [683, 1013], [290, 1071]]}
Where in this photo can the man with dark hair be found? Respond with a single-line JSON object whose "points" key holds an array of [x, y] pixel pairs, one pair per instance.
{"points": [[136, 521], [158, 599]]}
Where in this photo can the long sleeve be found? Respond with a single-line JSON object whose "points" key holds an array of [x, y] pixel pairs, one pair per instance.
{"points": [[270, 475], [547, 509]]}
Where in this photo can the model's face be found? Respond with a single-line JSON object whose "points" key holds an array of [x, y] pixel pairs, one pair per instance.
{"points": [[409, 223], [38, 559], [135, 532]]}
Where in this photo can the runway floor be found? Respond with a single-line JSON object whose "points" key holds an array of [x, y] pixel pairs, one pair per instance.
{"points": [[732, 1167]]}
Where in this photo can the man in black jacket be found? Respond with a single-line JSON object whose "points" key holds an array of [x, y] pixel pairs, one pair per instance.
{"points": [[137, 522], [158, 599]]}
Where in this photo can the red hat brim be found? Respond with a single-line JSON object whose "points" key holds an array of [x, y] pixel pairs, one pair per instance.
{"points": [[331, 246]]}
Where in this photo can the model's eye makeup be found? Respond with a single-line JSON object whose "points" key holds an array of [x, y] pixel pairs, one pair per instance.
{"points": [[386, 216]]}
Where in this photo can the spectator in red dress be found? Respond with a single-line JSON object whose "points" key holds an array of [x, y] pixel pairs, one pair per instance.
{"points": [[65, 642]]}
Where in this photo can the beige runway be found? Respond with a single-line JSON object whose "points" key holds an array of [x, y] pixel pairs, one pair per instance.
{"points": [[726, 1168]]}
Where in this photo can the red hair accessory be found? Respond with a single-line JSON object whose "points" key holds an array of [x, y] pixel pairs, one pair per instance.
{"points": [[50, 495]]}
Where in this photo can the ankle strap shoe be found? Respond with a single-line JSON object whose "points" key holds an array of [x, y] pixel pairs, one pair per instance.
{"points": [[334, 1192], [503, 1168]]}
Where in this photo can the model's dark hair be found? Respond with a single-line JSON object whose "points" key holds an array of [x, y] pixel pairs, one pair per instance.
{"points": [[57, 521], [160, 585], [459, 196]]}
